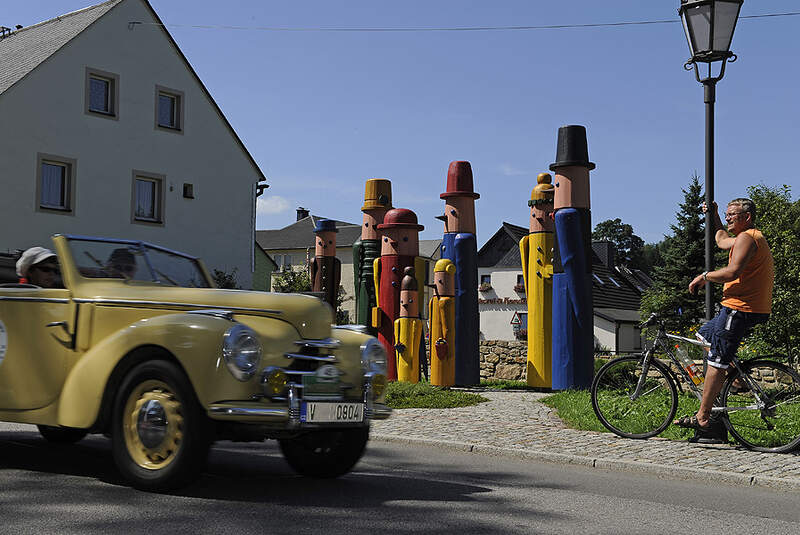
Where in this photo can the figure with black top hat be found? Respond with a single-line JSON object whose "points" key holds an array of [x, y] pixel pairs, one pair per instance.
{"points": [[408, 336], [442, 326], [536, 252], [460, 245], [573, 336], [326, 269], [399, 250], [377, 200]]}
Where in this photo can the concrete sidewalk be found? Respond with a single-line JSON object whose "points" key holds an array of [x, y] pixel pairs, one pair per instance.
{"points": [[516, 424]]}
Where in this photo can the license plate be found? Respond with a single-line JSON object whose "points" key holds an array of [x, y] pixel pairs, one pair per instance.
{"points": [[312, 412]]}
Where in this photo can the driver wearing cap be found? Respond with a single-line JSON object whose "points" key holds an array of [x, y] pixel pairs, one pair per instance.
{"points": [[39, 266]]}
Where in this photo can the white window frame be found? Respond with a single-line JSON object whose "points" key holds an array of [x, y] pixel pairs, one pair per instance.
{"points": [[178, 109], [158, 198], [69, 165], [113, 93]]}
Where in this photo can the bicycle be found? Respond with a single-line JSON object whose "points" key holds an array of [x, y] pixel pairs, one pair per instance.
{"points": [[636, 396]]}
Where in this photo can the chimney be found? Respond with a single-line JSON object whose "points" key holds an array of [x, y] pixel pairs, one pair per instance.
{"points": [[605, 250], [302, 213]]}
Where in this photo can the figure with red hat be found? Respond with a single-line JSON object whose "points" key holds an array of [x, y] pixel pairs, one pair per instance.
{"points": [[377, 201], [399, 250], [408, 335], [460, 245], [326, 269], [573, 328]]}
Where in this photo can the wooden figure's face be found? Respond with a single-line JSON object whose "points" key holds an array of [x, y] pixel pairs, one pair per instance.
{"points": [[325, 244], [571, 187], [460, 213], [400, 241], [542, 218], [445, 284], [409, 306], [369, 227]]}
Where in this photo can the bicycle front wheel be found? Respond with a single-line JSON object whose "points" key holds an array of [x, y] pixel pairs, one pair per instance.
{"points": [[775, 427], [613, 400]]}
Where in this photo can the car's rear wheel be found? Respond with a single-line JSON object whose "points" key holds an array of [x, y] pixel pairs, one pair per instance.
{"points": [[327, 453], [160, 436], [61, 435]]}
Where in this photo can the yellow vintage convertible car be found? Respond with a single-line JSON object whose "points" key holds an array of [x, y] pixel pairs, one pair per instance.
{"points": [[138, 344]]}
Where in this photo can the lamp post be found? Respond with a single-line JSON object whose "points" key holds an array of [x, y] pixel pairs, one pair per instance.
{"points": [[709, 26]]}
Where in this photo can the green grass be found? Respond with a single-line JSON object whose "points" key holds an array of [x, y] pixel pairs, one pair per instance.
{"points": [[575, 409], [506, 384], [423, 395]]}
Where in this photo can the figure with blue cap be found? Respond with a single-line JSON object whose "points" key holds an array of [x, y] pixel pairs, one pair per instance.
{"points": [[326, 269], [460, 245]]}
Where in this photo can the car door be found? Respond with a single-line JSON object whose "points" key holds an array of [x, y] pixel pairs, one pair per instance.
{"points": [[35, 343]]}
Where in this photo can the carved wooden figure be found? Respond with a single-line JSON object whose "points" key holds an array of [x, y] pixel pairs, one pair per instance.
{"points": [[408, 336], [573, 337], [460, 245], [377, 200], [326, 269], [399, 249], [536, 252], [442, 326]]}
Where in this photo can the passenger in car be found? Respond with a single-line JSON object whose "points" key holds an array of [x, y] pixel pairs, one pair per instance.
{"points": [[39, 266]]}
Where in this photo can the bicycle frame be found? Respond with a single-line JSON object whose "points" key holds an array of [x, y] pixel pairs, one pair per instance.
{"points": [[661, 343]]}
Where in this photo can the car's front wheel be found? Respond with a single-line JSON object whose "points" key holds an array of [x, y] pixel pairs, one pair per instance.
{"points": [[327, 453], [160, 436]]}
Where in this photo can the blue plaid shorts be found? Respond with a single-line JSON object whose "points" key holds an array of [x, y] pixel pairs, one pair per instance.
{"points": [[725, 332]]}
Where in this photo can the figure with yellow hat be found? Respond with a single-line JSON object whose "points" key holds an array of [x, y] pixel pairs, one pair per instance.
{"points": [[460, 245], [442, 326], [377, 200], [399, 250], [536, 252], [408, 335]]}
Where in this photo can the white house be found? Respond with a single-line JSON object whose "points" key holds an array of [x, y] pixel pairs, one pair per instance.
{"points": [[107, 130], [503, 307]]}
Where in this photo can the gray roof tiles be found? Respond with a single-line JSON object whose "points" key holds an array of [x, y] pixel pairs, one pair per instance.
{"points": [[25, 49]]}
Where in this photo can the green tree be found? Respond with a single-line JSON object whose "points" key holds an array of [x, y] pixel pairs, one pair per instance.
{"points": [[683, 258], [223, 279], [778, 218], [292, 281], [627, 245]]}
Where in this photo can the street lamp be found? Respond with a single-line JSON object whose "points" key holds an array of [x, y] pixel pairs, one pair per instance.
{"points": [[709, 26]]}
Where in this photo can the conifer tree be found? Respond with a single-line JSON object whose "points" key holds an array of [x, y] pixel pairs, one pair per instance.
{"points": [[683, 258]]}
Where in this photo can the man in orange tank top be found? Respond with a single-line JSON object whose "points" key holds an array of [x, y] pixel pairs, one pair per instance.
{"points": [[746, 302]]}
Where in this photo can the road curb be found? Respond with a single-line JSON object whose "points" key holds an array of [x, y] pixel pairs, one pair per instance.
{"points": [[616, 465]]}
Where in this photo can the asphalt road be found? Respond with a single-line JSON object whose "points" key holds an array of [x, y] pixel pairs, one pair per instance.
{"points": [[248, 488]]}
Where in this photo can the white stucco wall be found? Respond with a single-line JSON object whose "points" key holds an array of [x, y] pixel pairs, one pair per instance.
{"points": [[605, 334], [495, 318], [44, 113]]}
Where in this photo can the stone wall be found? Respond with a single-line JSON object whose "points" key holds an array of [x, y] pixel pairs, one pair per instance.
{"points": [[502, 359]]}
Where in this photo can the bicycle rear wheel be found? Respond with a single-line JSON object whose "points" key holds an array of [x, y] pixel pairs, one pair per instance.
{"points": [[776, 427], [647, 415]]}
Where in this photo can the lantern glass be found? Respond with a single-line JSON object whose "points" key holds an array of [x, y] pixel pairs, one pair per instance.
{"points": [[709, 26]]}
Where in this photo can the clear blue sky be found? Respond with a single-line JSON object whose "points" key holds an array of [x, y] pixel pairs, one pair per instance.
{"points": [[322, 112]]}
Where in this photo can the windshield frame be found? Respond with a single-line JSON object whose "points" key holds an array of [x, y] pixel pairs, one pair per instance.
{"points": [[143, 246]]}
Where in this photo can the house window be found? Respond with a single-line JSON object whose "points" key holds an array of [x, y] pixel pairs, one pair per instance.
{"points": [[102, 93], [598, 279], [285, 262], [520, 280], [169, 109], [612, 279], [55, 184], [148, 198], [486, 279]]}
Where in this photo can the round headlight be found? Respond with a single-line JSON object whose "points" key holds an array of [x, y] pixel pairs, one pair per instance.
{"points": [[373, 356], [242, 351]]}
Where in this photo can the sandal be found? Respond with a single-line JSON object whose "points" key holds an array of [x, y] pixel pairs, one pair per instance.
{"points": [[690, 422]]}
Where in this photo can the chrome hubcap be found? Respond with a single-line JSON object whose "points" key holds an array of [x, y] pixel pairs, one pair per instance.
{"points": [[152, 423]]}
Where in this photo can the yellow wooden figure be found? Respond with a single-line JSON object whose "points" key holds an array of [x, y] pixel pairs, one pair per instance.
{"points": [[442, 329], [409, 339], [536, 252]]}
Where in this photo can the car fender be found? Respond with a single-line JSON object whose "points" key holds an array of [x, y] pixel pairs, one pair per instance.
{"points": [[194, 340]]}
